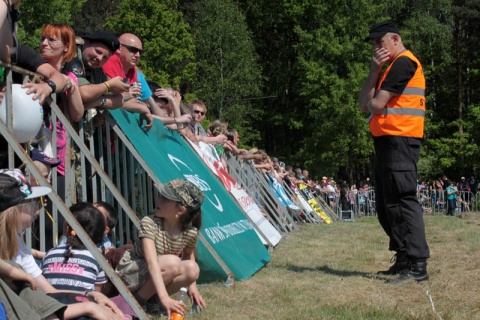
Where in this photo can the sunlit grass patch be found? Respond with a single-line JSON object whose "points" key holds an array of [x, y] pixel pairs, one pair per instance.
{"points": [[329, 272]]}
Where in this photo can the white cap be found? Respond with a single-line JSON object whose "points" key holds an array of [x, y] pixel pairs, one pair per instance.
{"points": [[38, 192], [183, 290]]}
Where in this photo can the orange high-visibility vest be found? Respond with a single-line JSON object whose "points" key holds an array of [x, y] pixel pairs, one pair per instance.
{"points": [[404, 115]]}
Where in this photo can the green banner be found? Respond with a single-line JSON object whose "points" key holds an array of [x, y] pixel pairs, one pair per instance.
{"points": [[225, 227]]}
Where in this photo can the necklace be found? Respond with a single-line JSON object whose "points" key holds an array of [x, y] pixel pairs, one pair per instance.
{"points": [[169, 251]]}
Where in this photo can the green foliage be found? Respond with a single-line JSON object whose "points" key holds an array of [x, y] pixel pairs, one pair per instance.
{"points": [[97, 12], [169, 49], [37, 13], [228, 77], [331, 60], [273, 33]]}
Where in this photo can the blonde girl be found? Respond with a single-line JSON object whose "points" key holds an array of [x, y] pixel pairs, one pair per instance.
{"points": [[21, 206]]}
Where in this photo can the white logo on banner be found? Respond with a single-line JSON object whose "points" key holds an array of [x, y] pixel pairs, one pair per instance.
{"points": [[195, 179]]}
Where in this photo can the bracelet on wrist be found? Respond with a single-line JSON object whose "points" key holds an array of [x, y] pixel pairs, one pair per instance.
{"points": [[87, 292], [108, 86]]}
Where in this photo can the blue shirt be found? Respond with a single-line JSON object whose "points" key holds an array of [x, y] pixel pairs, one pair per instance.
{"points": [[146, 92]]}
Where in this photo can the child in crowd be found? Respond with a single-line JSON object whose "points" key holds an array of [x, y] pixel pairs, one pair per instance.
{"points": [[44, 165], [110, 216], [162, 259], [17, 287], [71, 266], [20, 204]]}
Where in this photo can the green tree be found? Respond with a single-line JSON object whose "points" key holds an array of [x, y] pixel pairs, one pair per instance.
{"points": [[315, 61], [274, 38], [228, 74], [169, 48], [334, 61], [38, 13], [93, 14]]}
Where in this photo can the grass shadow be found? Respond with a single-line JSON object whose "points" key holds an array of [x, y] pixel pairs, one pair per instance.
{"points": [[339, 273]]}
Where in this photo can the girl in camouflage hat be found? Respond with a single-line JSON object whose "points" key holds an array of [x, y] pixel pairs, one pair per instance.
{"points": [[162, 259]]}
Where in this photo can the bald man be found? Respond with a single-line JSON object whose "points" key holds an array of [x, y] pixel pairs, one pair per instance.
{"points": [[123, 63]]}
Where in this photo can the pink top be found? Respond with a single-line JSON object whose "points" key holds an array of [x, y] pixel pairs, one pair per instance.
{"points": [[62, 135]]}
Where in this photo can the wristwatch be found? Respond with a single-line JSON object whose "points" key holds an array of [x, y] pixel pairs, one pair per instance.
{"points": [[52, 85], [104, 102]]}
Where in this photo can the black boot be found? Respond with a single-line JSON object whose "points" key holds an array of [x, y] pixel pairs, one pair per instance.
{"points": [[400, 263], [417, 272]]}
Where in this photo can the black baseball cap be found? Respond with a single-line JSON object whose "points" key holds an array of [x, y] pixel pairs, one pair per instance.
{"points": [[107, 38], [14, 188], [380, 29]]}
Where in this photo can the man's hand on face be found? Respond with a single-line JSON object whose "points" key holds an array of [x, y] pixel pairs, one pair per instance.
{"points": [[380, 56], [174, 97]]}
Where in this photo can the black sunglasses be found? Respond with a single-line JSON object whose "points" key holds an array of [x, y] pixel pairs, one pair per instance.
{"points": [[132, 49], [198, 111]]}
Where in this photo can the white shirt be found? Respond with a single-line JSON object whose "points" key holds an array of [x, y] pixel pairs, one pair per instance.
{"points": [[25, 259]]}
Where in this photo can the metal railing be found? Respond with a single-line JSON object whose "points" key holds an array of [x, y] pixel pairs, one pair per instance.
{"points": [[362, 203], [435, 201], [17, 153], [256, 184]]}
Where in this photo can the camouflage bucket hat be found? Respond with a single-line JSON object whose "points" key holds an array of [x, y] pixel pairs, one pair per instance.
{"points": [[183, 191]]}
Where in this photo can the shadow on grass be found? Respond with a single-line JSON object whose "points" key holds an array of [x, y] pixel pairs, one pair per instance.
{"points": [[340, 273]]}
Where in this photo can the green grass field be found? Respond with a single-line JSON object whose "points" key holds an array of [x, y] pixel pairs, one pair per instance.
{"points": [[329, 272]]}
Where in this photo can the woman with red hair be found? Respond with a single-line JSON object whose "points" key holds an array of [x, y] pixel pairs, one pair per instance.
{"points": [[57, 46]]}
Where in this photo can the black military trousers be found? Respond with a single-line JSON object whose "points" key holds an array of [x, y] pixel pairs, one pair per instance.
{"points": [[399, 212]]}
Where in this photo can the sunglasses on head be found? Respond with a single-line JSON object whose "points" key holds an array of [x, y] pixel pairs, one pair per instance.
{"points": [[198, 111], [132, 49]]}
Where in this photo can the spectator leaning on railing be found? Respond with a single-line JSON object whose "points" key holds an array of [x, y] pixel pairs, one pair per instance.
{"points": [[9, 52], [200, 110], [96, 89], [167, 107], [123, 64]]}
